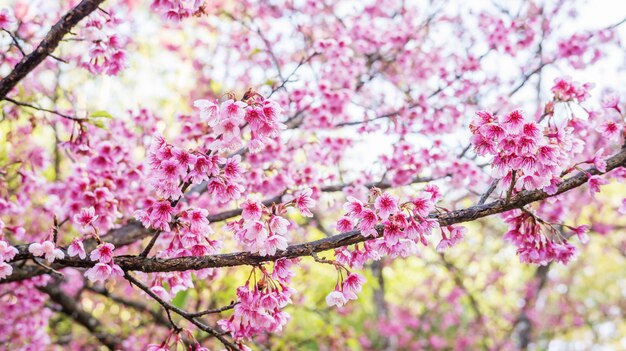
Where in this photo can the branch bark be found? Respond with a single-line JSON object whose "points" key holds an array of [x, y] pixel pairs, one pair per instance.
{"points": [[135, 263], [47, 45]]}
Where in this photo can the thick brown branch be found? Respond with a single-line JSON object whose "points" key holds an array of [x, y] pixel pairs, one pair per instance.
{"points": [[135, 263], [47, 45]]}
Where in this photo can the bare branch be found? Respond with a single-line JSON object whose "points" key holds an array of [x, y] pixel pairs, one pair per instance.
{"points": [[188, 316]]}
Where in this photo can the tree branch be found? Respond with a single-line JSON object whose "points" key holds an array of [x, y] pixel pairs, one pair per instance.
{"points": [[47, 45], [135, 263], [191, 317]]}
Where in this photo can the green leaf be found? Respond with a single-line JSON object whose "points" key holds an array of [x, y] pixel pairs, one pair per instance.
{"points": [[180, 299], [101, 114], [98, 123]]}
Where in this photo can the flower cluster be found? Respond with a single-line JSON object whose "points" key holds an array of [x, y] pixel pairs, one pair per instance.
{"points": [[576, 48], [106, 54], [6, 19], [46, 249], [521, 153], [105, 268], [565, 90], [176, 10], [264, 230], [171, 165], [346, 289], [229, 118], [533, 246], [403, 226], [101, 187], [259, 308], [7, 252], [508, 37]]}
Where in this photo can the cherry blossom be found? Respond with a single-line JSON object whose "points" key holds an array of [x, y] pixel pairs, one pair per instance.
{"points": [[188, 164], [46, 249]]}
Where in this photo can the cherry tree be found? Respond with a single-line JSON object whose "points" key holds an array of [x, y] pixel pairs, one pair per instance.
{"points": [[300, 150]]}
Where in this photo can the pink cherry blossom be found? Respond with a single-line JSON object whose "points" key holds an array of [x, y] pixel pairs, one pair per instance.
{"points": [[352, 285], [7, 252], [386, 204], [345, 224], [103, 253], [76, 248], [5, 270], [85, 217], [336, 298], [6, 19], [46, 249], [303, 201], [103, 271], [252, 210], [595, 182]]}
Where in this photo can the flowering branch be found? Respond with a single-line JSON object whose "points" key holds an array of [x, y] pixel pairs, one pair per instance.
{"points": [[136, 263], [47, 45]]}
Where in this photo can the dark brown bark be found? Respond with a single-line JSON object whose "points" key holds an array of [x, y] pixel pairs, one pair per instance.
{"points": [[47, 45], [135, 263]]}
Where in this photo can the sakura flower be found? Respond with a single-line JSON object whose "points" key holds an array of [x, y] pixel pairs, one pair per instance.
{"points": [[7, 252], [278, 225], [457, 233], [303, 201], [161, 292], [423, 206], [336, 298], [208, 111], [6, 19], [611, 100], [609, 129], [352, 285], [595, 182], [185, 159], [272, 244], [103, 271], [76, 248], [598, 161], [161, 215], [368, 222], [581, 232], [228, 128], [492, 131], [353, 207], [46, 249], [386, 204], [251, 210], [255, 232], [513, 121], [170, 170], [233, 110], [233, 169], [344, 224], [102, 253], [5, 270], [85, 217]]}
